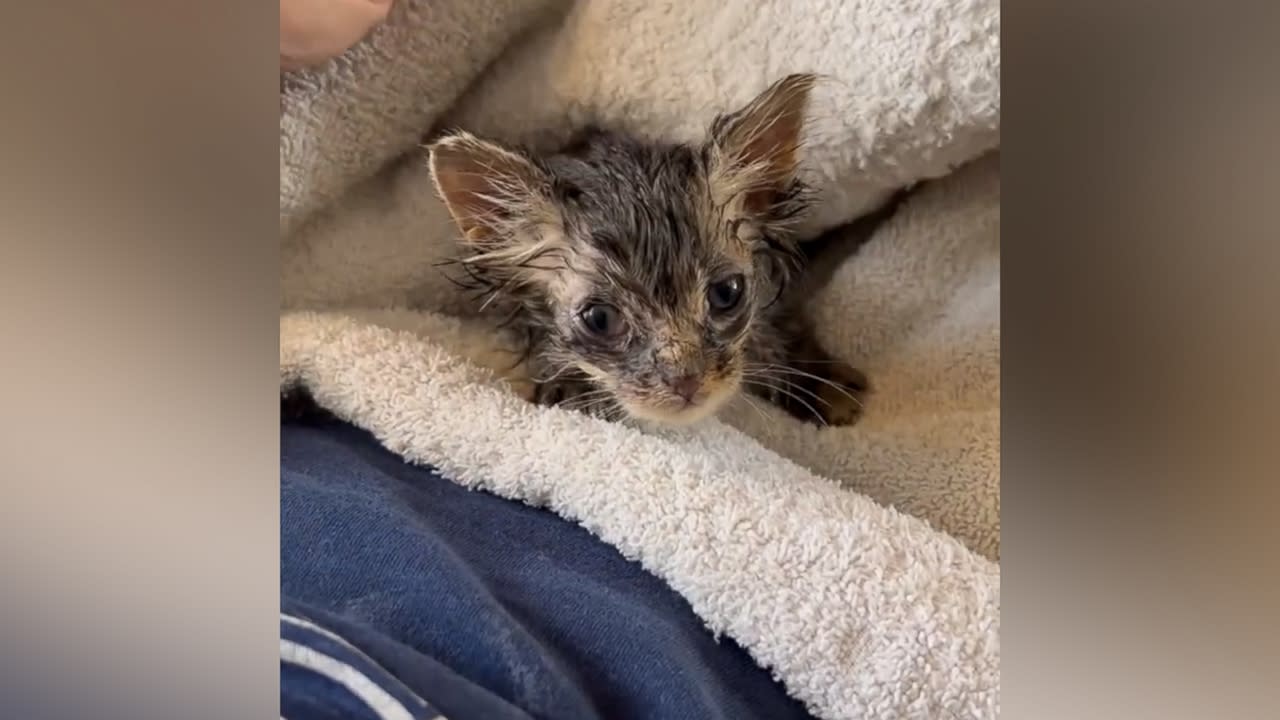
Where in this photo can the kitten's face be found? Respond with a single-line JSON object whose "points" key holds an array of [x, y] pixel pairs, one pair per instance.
{"points": [[647, 267], [658, 287]]}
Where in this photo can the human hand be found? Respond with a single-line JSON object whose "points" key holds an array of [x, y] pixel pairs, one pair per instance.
{"points": [[312, 31]]}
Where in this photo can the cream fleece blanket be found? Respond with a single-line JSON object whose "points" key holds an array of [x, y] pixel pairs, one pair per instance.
{"points": [[858, 564]]}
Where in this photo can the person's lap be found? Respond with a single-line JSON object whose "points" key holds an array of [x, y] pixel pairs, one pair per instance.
{"points": [[485, 607]]}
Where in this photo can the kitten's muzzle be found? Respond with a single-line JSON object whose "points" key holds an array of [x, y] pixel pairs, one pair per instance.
{"points": [[686, 386]]}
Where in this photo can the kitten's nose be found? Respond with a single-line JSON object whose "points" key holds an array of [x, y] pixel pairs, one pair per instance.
{"points": [[685, 386]]}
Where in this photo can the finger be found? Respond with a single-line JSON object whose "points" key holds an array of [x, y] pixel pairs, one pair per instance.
{"points": [[312, 31]]}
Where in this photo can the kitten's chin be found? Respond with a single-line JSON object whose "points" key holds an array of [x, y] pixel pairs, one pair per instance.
{"points": [[682, 414]]}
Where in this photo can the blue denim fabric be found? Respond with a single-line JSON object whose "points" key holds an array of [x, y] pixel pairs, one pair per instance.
{"points": [[487, 608]]}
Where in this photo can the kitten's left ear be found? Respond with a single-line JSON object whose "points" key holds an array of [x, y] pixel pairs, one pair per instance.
{"points": [[756, 147]]}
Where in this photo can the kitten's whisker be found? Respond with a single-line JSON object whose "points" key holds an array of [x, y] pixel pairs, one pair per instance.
{"points": [[577, 404], [598, 402], [587, 407], [494, 295], [555, 376], [756, 407], [594, 391], [797, 398], [799, 361], [790, 384], [586, 399], [837, 386]]}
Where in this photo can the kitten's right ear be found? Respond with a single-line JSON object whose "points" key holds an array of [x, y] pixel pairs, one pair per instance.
{"points": [[490, 191]]}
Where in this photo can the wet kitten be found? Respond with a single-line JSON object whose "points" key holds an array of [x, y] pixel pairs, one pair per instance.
{"points": [[652, 279]]}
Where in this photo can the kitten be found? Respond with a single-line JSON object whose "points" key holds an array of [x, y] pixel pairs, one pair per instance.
{"points": [[651, 279]]}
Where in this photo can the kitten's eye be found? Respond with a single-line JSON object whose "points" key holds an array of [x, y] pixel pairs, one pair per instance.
{"points": [[602, 320], [725, 294]]}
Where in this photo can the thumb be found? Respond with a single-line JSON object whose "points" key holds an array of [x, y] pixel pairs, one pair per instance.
{"points": [[312, 31]]}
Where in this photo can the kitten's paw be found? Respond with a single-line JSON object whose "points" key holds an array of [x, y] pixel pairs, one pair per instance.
{"points": [[829, 394], [523, 387], [568, 393], [550, 393], [298, 406], [842, 395]]}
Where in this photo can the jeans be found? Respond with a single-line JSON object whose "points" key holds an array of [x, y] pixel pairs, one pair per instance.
{"points": [[480, 607]]}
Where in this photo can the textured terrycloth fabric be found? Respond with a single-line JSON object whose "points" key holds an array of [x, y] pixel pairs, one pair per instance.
{"points": [[779, 534]]}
